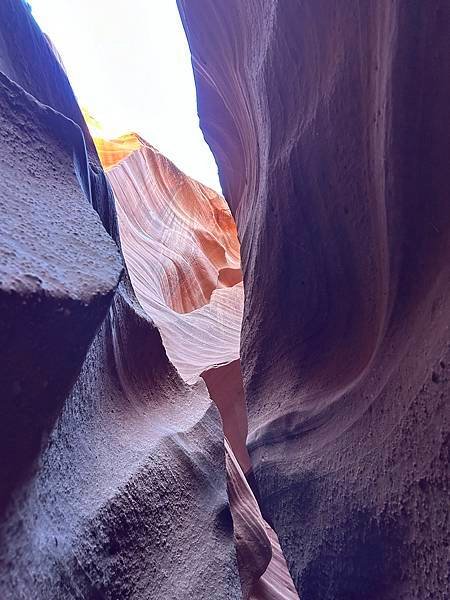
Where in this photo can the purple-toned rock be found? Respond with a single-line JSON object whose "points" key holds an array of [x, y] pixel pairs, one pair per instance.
{"points": [[329, 122], [112, 469]]}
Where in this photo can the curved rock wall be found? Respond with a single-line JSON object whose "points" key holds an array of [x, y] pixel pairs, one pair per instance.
{"points": [[262, 566], [112, 468], [329, 122]]}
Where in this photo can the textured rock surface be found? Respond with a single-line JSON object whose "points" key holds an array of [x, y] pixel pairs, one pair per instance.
{"points": [[329, 122], [121, 486], [57, 275]]}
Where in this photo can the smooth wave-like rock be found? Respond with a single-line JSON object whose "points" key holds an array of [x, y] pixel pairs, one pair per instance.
{"points": [[262, 566], [253, 546], [329, 123], [180, 244]]}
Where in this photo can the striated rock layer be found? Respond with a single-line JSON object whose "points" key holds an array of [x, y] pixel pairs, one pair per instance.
{"points": [[329, 122], [180, 244], [113, 481], [262, 566]]}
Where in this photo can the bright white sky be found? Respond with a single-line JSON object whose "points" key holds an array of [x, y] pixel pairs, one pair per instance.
{"points": [[129, 64]]}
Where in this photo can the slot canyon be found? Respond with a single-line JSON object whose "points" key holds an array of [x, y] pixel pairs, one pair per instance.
{"points": [[209, 397]]}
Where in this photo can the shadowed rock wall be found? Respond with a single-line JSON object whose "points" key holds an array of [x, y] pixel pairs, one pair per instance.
{"points": [[329, 122], [112, 468]]}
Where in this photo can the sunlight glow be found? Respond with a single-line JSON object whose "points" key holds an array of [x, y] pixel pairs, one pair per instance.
{"points": [[129, 65]]}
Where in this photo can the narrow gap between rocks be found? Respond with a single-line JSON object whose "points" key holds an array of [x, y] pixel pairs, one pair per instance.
{"points": [[182, 253]]}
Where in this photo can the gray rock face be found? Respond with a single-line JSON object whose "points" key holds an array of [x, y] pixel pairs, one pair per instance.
{"points": [[112, 469], [58, 272], [329, 122]]}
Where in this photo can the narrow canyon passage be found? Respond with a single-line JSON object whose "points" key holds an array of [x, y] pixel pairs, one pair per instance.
{"points": [[181, 250], [237, 397]]}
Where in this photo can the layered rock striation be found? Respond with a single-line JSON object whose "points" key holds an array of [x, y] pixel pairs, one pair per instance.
{"points": [[115, 482], [181, 249], [180, 244]]}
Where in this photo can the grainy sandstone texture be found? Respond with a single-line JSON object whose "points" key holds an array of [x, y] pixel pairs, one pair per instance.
{"points": [[112, 469]]}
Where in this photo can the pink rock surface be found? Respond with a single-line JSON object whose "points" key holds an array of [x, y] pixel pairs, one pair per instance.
{"points": [[182, 256], [226, 389], [180, 245], [262, 567]]}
